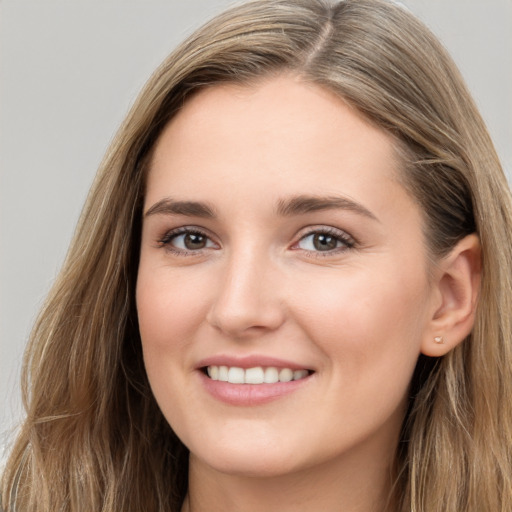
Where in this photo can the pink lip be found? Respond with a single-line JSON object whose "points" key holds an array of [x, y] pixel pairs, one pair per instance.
{"points": [[249, 394], [249, 362]]}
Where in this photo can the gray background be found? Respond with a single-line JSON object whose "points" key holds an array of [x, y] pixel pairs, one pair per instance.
{"points": [[70, 70]]}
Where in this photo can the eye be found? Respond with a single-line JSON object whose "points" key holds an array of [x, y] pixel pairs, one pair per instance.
{"points": [[186, 240], [326, 240]]}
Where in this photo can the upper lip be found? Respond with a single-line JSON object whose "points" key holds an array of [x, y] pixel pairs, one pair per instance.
{"points": [[250, 361]]}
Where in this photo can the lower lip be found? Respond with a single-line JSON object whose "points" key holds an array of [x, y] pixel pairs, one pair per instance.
{"points": [[250, 394]]}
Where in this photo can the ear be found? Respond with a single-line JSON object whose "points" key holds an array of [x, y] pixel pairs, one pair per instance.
{"points": [[456, 288]]}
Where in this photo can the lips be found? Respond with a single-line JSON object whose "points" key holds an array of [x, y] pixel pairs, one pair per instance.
{"points": [[251, 380]]}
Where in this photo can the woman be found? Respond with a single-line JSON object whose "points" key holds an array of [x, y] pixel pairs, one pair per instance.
{"points": [[291, 282]]}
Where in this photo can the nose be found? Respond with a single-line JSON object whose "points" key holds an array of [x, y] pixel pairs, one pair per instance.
{"points": [[248, 300]]}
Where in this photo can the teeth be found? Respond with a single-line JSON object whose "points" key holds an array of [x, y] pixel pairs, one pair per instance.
{"points": [[223, 373], [299, 374], [236, 375], [271, 375], [285, 375], [256, 375], [213, 372]]}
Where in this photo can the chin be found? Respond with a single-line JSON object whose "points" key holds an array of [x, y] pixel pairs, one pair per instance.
{"points": [[251, 465], [249, 455]]}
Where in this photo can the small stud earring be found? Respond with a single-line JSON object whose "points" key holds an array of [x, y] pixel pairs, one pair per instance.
{"points": [[439, 340]]}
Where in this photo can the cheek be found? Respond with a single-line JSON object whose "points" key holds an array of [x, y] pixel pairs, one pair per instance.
{"points": [[369, 331], [168, 310], [168, 306], [368, 324]]}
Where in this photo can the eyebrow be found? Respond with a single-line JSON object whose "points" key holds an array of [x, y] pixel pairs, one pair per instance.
{"points": [[307, 204], [297, 205], [168, 206]]}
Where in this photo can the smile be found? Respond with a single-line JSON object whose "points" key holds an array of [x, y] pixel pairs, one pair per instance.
{"points": [[255, 375]]}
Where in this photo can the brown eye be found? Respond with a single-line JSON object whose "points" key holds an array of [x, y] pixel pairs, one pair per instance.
{"points": [[194, 241], [324, 242], [187, 241]]}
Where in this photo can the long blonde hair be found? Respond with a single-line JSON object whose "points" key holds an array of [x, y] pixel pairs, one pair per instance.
{"points": [[94, 438]]}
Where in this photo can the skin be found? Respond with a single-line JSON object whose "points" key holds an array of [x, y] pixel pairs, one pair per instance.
{"points": [[358, 314]]}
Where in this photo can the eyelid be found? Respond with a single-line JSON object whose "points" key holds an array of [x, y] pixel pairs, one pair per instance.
{"points": [[165, 240], [348, 240]]}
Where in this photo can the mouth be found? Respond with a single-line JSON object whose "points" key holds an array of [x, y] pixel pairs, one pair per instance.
{"points": [[252, 380], [254, 375]]}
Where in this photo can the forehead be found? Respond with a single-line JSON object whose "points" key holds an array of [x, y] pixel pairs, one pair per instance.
{"points": [[281, 136], [282, 107]]}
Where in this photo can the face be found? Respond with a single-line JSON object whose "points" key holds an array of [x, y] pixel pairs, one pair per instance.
{"points": [[278, 244]]}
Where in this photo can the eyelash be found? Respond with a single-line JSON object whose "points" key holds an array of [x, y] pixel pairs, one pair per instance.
{"points": [[346, 240], [166, 240]]}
